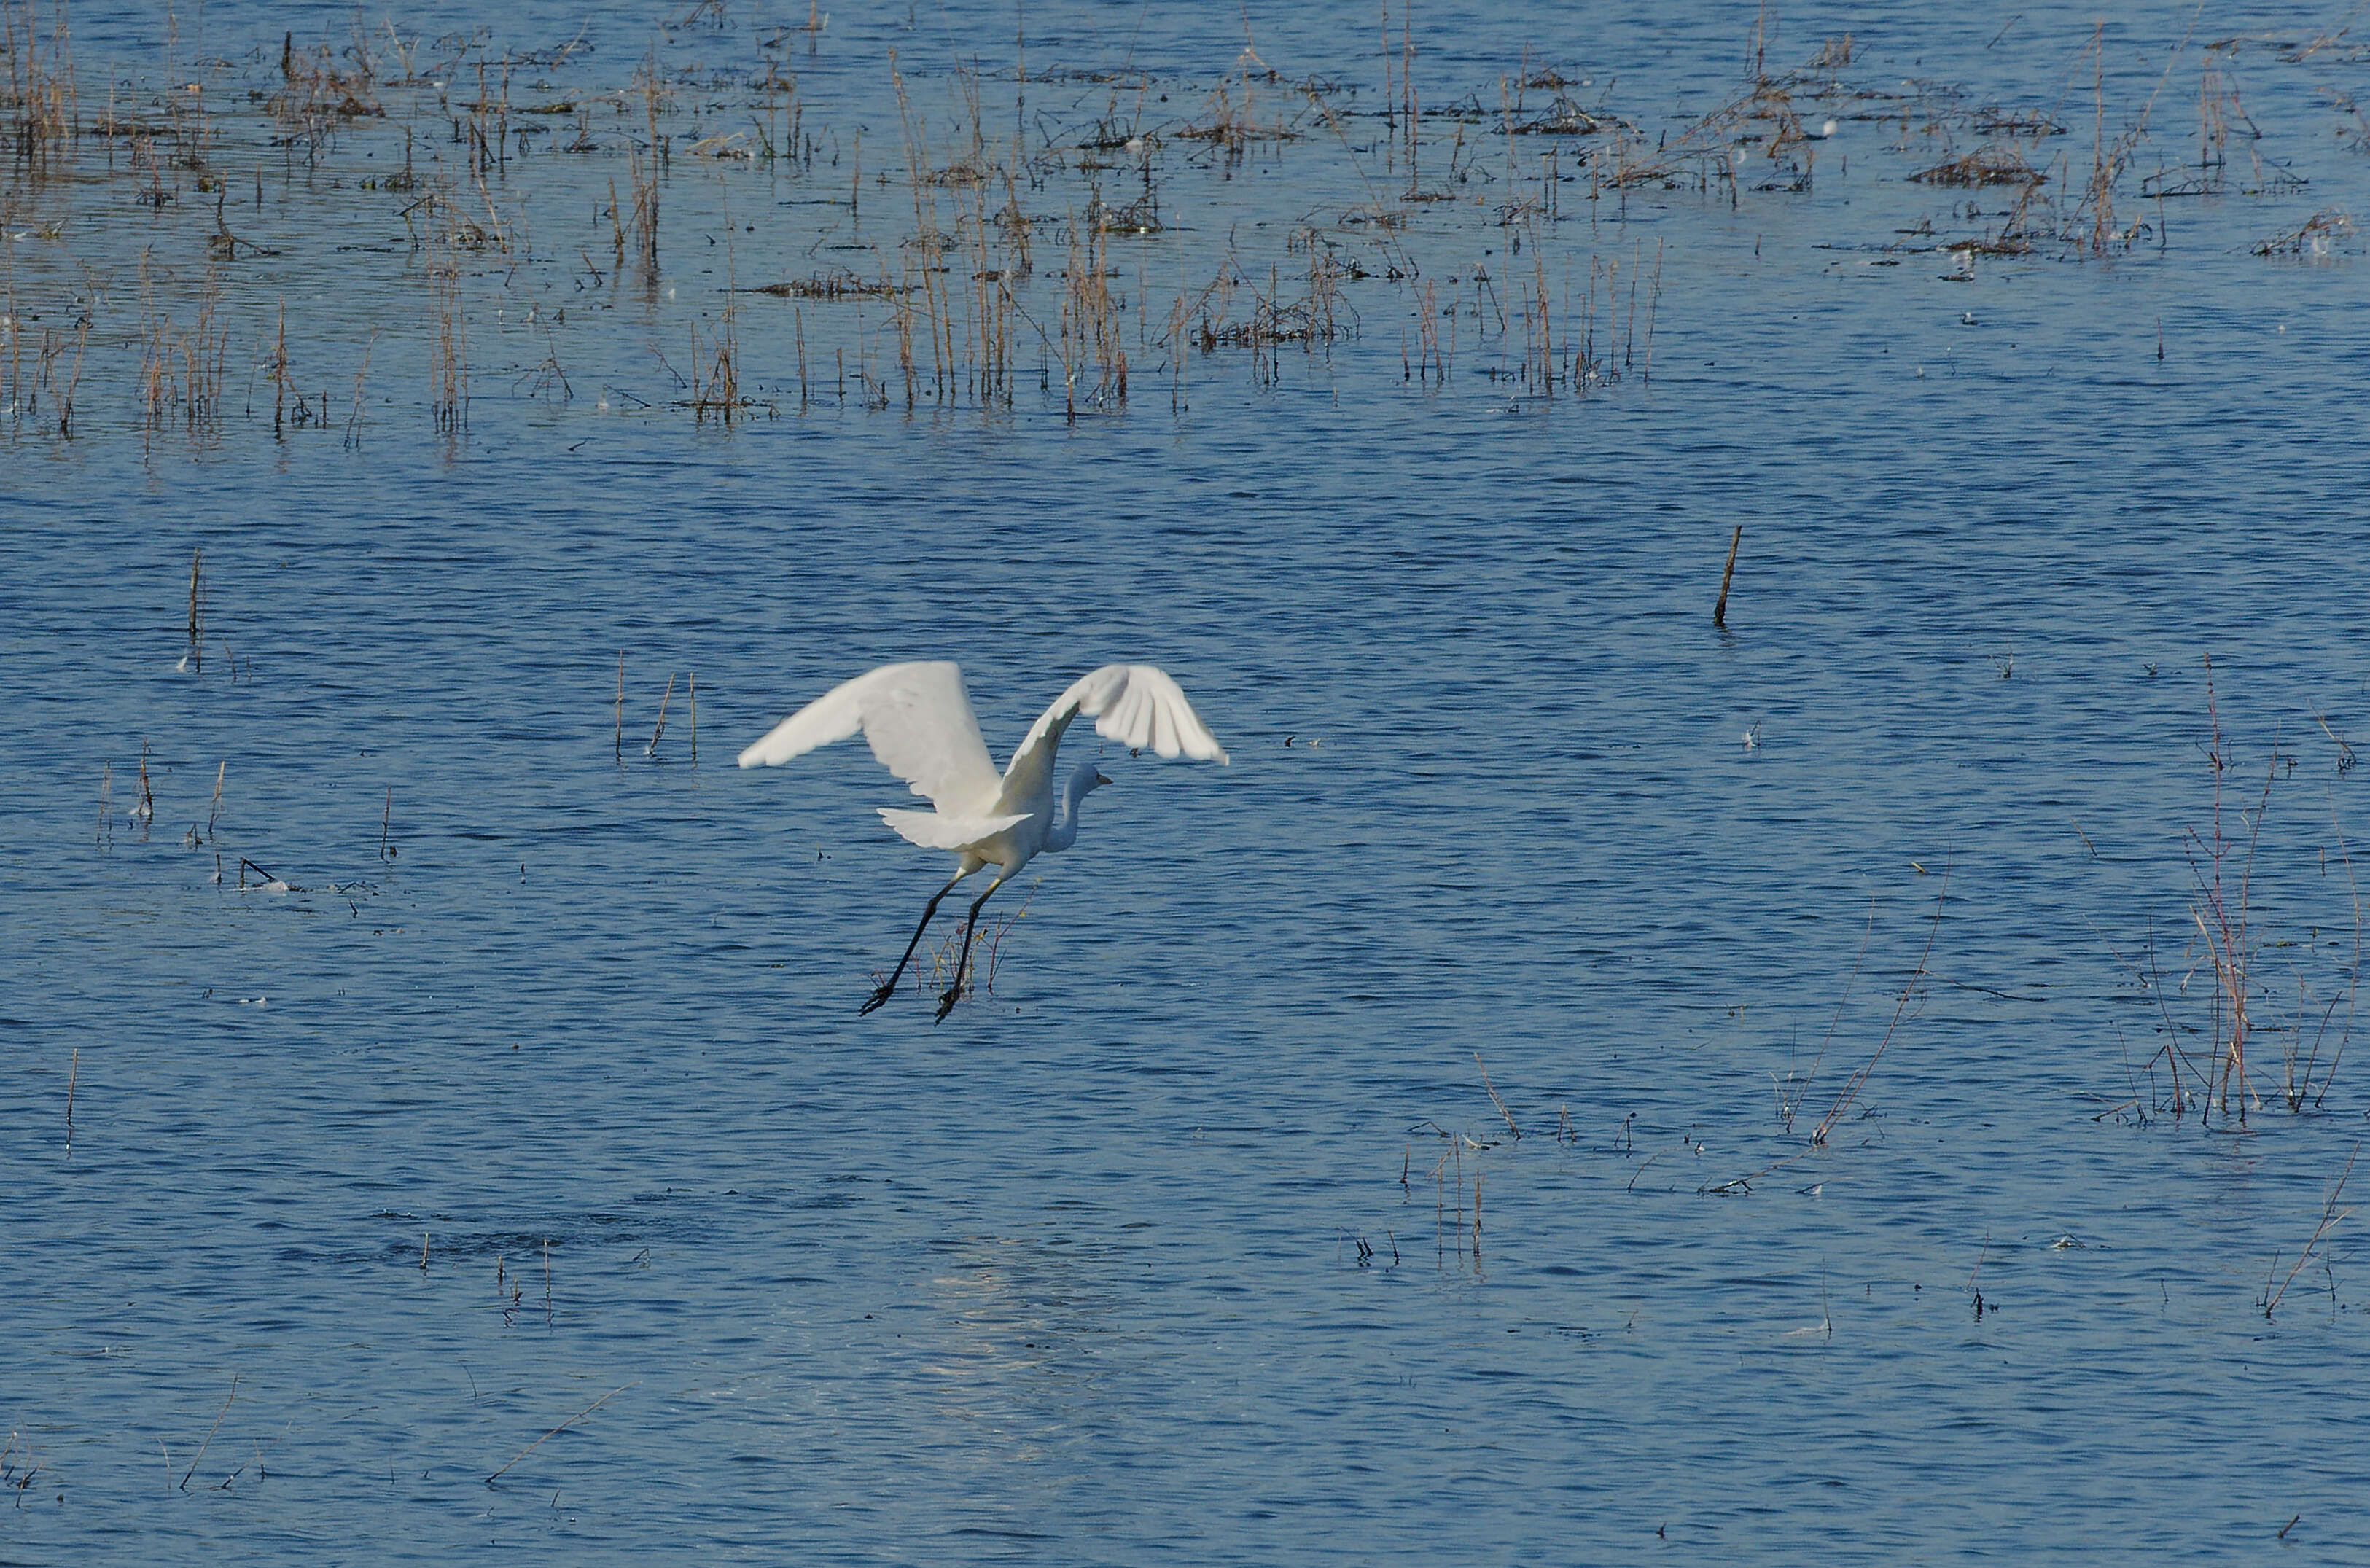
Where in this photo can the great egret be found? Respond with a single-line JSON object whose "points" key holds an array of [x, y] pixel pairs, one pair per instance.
{"points": [[919, 722]]}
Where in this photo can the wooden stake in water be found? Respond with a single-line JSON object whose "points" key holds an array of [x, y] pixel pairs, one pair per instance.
{"points": [[74, 1068], [621, 707], [1719, 607]]}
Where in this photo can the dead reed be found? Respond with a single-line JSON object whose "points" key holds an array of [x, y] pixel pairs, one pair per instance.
{"points": [[1047, 230], [41, 102], [2331, 1217], [2228, 942], [1850, 1092], [555, 1431], [209, 1433]]}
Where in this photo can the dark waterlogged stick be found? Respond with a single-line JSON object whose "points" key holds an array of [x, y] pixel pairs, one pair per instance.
{"points": [[1719, 607]]}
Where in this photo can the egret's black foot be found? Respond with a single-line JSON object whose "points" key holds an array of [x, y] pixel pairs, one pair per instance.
{"points": [[947, 1002], [878, 996]]}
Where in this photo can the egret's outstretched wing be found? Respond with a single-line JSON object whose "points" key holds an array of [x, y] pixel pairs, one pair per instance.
{"points": [[1136, 705], [918, 720], [932, 831]]}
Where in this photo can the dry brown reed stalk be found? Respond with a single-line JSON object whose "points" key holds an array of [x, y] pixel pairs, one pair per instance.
{"points": [[449, 349], [2212, 120], [620, 713], [2331, 1217], [1719, 605], [693, 683], [987, 953], [2223, 922], [716, 369], [73, 1070], [40, 83], [213, 812], [386, 823], [106, 830], [1494, 1099], [1853, 1084]]}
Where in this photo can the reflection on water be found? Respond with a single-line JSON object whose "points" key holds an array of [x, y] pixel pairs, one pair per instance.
{"points": [[438, 1071]]}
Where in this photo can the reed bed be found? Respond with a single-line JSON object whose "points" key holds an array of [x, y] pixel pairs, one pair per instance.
{"points": [[1483, 229]]}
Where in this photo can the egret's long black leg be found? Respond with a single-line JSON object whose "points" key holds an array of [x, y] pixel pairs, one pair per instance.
{"points": [[954, 992], [889, 986]]}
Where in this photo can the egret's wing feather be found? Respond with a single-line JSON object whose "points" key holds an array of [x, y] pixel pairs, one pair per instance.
{"points": [[932, 831], [919, 722], [1136, 705]]}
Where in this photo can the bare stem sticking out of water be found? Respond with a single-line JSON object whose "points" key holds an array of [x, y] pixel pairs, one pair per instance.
{"points": [[1853, 1084], [563, 1426], [2331, 1217], [209, 1433], [1499, 1103]]}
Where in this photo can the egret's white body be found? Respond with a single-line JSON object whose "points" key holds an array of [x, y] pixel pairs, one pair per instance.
{"points": [[918, 720]]}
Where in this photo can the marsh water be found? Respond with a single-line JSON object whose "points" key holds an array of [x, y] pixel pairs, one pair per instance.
{"points": [[428, 1073]]}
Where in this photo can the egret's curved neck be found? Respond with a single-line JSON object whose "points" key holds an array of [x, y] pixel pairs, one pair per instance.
{"points": [[1064, 832]]}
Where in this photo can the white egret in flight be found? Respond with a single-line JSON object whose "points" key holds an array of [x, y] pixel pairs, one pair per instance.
{"points": [[919, 722]]}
